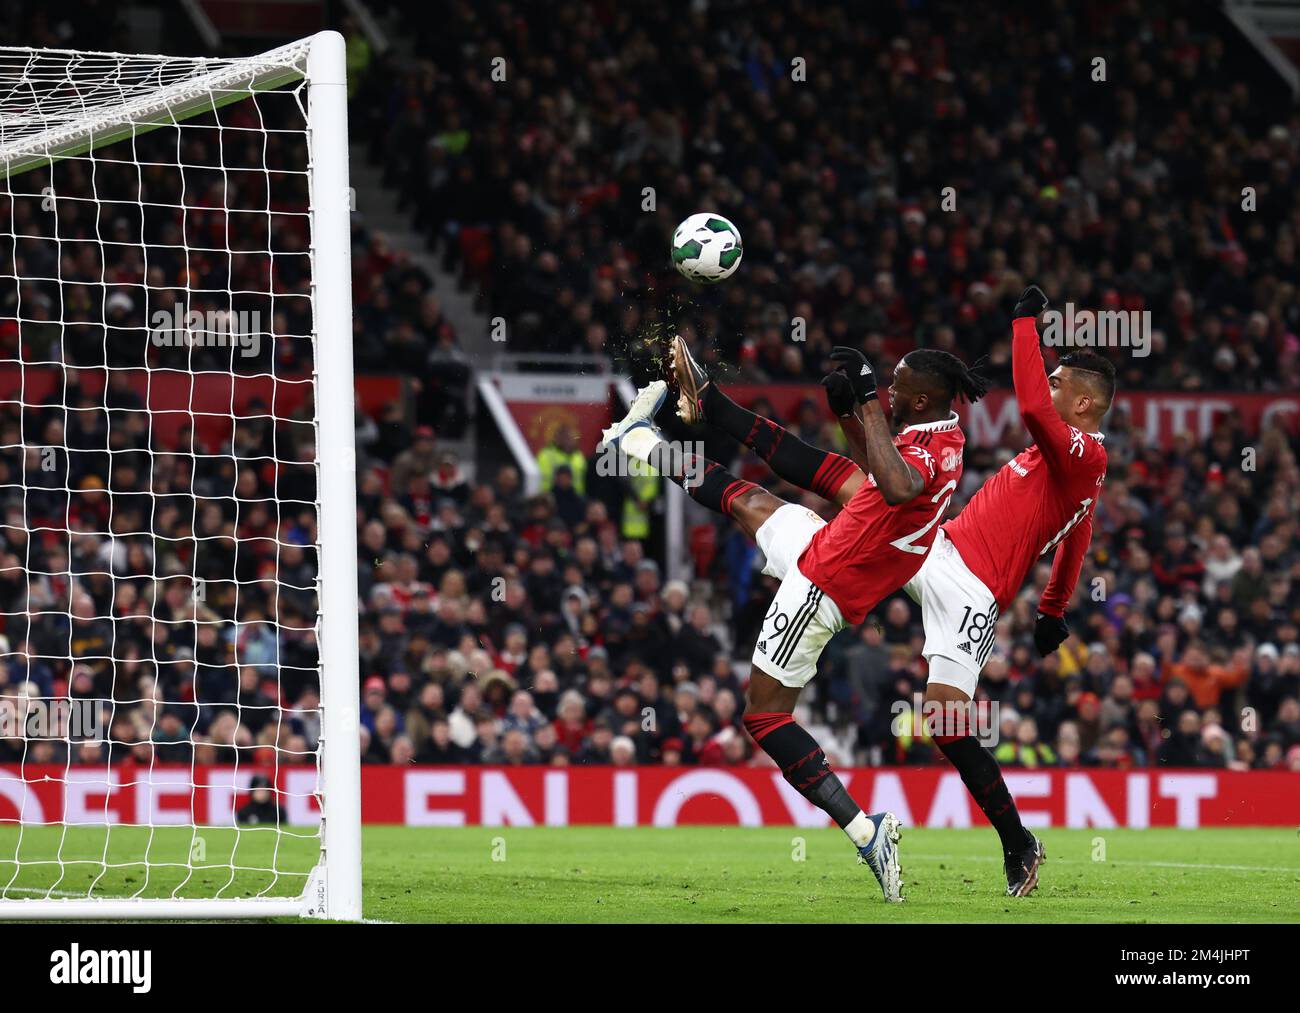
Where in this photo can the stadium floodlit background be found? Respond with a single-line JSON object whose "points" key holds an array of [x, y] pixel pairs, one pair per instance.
{"points": [[502, 235]]}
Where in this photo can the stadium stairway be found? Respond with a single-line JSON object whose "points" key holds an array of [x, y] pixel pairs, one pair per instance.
{"points": [[380, 210], [1273, 28]]}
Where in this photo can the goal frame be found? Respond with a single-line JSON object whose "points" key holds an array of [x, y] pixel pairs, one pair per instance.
{"points": [[333, 888]]}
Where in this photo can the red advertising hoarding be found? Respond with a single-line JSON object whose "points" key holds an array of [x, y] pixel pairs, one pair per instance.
{"points": [[650, 796], [1158, 415], [543, 402], [210, 402]]}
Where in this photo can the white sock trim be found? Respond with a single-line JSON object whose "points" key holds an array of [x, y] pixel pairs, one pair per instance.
{"points": [[860, 830]]}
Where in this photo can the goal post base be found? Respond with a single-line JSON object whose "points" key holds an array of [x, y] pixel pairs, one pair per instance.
{"points": [[311, 903], [115, 909]]}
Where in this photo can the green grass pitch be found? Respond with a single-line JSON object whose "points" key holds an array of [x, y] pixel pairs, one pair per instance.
{"points": [[698, 874]]}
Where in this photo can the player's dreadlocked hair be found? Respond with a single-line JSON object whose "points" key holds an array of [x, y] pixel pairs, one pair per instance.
{"points": [[1101, 368], [952, 376]]}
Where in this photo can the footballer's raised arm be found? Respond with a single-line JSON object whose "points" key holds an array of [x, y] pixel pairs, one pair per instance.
{"points": [[872, 446], [842, 399], [855, 436], [1029, 375], [897, 480]]}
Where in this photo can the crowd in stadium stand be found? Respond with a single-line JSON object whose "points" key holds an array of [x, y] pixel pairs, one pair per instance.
{"points": [[832, 140], [501, 628], [504, 629], [1119, 193], [139, 563]]}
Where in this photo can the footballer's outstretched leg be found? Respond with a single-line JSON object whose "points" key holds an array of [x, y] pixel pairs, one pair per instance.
{"points": [[705, 481], [770, 722], [1022, 852], [802, 618], [829, 475]]}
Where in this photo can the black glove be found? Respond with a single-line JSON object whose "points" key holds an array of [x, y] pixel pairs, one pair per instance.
{"points": [[1049, 633], [1032, 302], [839, 393], [855, 366]]}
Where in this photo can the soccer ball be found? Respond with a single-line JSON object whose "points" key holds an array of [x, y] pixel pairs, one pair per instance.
{"points": [[706, 248]]}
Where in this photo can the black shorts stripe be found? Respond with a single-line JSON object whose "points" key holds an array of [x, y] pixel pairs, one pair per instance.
{"points": [[786, 651], [790, 639], [804, 623], [788, 632], [987, 646]]}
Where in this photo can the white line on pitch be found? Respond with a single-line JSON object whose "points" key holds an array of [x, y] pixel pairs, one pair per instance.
{"points": [[82, 896], [904, 855]]}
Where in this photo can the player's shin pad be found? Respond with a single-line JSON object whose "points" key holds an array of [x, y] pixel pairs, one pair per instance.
{"points": [[982, 776], [803, 764], [705, 481]]}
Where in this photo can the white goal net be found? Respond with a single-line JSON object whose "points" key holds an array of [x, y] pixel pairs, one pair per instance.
{"points": [[178, 687]]}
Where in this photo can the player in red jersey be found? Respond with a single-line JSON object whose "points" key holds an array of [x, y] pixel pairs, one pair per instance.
{"points": [[1039, 502], [832, 574]]}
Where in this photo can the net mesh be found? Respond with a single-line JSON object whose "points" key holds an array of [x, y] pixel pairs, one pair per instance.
{"points": [[159, 671]]}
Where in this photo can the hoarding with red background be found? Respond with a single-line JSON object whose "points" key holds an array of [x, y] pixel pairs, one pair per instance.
{"points": [[210, 402], [542, 402], [1159, 415], [650, 796]]}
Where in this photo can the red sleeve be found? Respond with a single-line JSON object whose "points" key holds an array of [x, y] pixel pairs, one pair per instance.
{"points": [[922, 461], [1066, 565], [1054, 437]]}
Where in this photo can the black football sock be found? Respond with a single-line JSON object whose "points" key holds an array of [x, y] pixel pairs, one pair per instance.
{"points": [[705, 481], [805, 766], [791, 459], [983, 779]]}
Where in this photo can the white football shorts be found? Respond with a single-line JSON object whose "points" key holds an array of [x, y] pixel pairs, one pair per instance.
{"points": [[801, 617], [959, 614]]}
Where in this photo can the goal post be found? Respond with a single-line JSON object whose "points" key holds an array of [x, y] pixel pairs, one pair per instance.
{"points": [[179, 692], [331, 204]]}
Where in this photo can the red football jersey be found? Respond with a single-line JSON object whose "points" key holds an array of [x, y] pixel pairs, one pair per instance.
{"points": [[1041, 500], [871, 549]]}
